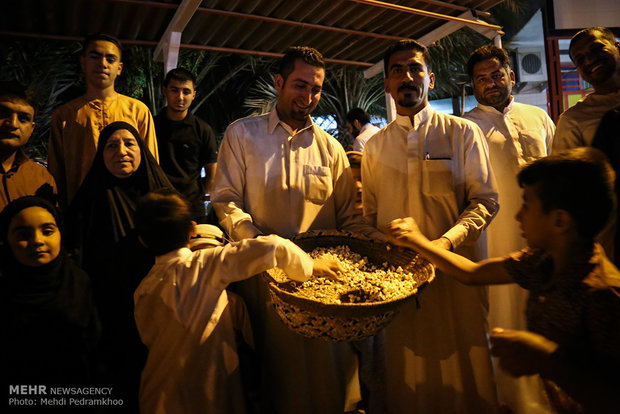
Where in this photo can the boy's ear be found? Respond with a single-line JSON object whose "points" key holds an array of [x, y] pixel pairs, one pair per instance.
{"points": [[562, 220], [193, 231]]}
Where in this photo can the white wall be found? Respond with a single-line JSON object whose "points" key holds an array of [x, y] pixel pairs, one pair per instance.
{"points": [[578, 14]]}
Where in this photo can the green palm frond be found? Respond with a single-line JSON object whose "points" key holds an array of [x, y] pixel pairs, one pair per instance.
{"points": [[262, 96]]}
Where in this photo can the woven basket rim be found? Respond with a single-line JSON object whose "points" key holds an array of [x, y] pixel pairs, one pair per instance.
{"points": [[349, 308]]}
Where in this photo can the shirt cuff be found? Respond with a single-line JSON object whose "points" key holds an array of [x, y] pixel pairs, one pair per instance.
{"points": [[245, 230], [456, 235], [238, 224], [296, 263]]}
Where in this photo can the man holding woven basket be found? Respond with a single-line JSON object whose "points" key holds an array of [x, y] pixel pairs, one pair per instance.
{"points": [[279, 173], [434, 167]]}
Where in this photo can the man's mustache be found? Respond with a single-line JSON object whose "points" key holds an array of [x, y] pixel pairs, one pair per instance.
{"points": [[408, 86]]}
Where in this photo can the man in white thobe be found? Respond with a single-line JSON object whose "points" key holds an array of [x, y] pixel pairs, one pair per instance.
{"points": [[280, 173], [516, 133], [434, 168]]}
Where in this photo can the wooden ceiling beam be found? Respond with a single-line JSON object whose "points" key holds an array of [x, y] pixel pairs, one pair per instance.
{"points": [[167, 48], [457, 7], [426, 13], [294, 23], [240, 15], [183, 46], [434, 35]]}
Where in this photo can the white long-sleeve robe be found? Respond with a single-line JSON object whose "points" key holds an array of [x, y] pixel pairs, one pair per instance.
{"points": [[272, 180], [519, 134], [436, 357], [182, 315]]}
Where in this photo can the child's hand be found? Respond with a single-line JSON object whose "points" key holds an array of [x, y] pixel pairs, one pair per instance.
{"points": [[521, 352], [327, 268], [404, 232]]}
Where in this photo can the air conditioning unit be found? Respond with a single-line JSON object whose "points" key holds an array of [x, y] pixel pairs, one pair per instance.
{"points": [[531, 64]]}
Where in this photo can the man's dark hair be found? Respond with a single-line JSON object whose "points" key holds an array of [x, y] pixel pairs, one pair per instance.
{"points": [[580, 181], [405, 45], [14, 89], [484, 53], [306, 54], [163, 221], [104, 37], [180, 75], [591, 31], [358, 114]]}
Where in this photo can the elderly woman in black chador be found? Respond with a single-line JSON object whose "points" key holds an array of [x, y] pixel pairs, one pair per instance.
{"points": [[47, 313], [102, 217]]}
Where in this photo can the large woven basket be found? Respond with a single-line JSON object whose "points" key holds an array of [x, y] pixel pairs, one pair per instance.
{"points": [[347, 321]]}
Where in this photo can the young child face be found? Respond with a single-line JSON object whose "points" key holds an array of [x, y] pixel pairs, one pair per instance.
{"points": [[34, 237], [534, 222]]}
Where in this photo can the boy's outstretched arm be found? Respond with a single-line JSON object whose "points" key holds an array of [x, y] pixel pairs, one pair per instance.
{"points": [[240, 260], [405, 232]]}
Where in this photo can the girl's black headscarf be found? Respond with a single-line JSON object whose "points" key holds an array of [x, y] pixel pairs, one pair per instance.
{"points": [[59, 286], [47, 313]]}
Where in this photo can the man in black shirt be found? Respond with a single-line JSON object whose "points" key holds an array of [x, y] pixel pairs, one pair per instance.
{"points": [[186, 143]]}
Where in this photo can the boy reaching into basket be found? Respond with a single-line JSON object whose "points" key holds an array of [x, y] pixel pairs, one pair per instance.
{"points": [[573, 309], [182, 312]]}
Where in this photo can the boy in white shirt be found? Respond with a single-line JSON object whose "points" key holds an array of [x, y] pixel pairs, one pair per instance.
{"points": [[181, 308]]}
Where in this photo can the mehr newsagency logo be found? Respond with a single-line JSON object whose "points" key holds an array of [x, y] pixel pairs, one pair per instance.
{"points": [[42, 395]]}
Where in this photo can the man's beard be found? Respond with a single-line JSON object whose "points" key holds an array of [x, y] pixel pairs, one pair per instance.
{"points": [[408, 101], [409, 104], [497, 100]]}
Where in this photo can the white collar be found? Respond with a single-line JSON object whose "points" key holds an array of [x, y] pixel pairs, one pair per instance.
{"points": [[405, 122], [491, 109]]}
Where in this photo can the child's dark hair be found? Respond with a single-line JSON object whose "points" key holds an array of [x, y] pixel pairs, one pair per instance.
{"points": [[163, 221], [580, 181]]}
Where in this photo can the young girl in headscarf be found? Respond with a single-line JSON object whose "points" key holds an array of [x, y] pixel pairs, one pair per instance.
{"points": [[48, 315]]}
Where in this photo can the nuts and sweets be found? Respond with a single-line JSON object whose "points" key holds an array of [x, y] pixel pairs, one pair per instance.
{"points": [[361, 282]]}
